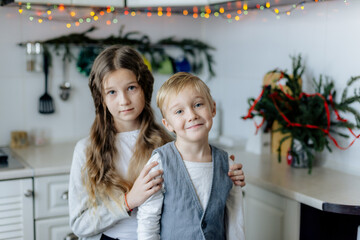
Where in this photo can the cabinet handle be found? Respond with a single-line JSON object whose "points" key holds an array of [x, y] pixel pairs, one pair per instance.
{"points": [[71, 236], [28, 193], [65, 195]]}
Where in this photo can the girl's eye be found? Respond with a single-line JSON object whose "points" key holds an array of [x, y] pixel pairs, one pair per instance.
{"points": [[131, 88], [178, 111], [198, 105], [111, 92]]}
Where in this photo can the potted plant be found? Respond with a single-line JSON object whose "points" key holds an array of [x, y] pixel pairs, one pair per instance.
{"points": [[309, 121]]}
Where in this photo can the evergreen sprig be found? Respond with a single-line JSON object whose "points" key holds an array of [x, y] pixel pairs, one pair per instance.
{"points": [[194, 50], [306, 110]]}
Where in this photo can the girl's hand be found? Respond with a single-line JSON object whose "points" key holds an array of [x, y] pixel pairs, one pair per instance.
{"points": [[144, 186], [236, 173]]}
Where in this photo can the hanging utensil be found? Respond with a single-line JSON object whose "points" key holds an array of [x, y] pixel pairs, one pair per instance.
{"points": [[46, 105], [65, 87]]}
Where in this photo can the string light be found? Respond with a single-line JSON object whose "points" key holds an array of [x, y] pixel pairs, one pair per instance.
{"points": [[76, 16]]}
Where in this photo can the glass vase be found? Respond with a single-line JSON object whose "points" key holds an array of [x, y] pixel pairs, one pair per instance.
{"points": [[297, 156]]}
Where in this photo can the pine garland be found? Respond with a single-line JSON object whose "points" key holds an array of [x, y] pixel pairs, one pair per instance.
{"points": [[195, 51], [307, 113]]}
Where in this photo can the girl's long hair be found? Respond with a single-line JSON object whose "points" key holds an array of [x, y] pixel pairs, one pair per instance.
{"points": [[99, 173]]}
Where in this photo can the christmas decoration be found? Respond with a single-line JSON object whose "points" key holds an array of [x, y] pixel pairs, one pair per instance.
{"points": [[306, 119], [74, 16], [194, 52]]}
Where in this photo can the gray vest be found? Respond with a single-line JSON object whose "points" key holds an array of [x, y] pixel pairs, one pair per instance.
{"points": [[182, 215]]}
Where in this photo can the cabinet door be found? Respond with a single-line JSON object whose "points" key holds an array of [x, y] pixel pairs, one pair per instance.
{"points": [[66, 2], [54, 229], [270, 216], [16, 209], [163, 3], [51, 196], [99, 3]]}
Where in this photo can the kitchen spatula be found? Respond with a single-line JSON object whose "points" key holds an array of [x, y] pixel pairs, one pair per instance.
{"points": [[46, 105]]}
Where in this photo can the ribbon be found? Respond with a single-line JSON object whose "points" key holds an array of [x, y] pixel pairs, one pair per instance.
{"points": [[251, 109], [292, 124]]}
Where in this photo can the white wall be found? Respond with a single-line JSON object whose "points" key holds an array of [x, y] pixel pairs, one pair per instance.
{"points": [[326, 34], [20, 90]]}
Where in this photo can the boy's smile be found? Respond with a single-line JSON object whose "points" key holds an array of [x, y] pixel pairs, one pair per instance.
{"points": [[189, 115]]}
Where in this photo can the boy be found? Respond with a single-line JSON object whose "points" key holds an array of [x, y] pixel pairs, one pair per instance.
{"points": [[198, 200]]}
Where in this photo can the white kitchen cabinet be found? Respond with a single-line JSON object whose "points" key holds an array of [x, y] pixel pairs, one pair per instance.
{"points": [[270, 216], [164, 3], [65, 2], [53, 228], [99, 3], [90, 3], [16, 209], [51, 207]]}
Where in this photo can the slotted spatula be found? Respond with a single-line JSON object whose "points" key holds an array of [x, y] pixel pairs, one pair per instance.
{"points": [[46, 105]]}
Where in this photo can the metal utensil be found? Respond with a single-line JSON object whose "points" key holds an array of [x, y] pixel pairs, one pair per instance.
{"points": [[65, 87], [46, 105]]}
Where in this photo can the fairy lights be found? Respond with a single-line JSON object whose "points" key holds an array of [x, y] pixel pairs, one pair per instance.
{"points": [[75, 16]]}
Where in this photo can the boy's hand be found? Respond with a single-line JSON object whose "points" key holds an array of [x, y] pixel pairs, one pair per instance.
{"points": [[236, 173], [144, 186]]}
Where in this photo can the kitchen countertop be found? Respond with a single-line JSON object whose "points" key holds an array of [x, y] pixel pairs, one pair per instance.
{"points": [[49, 159], [324, 189]]}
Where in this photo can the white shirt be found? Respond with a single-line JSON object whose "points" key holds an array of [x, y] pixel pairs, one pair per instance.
{"points": [[111, 219], [149, 213]]}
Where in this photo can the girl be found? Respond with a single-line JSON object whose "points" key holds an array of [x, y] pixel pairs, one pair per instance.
{"points": [[108, 180]]}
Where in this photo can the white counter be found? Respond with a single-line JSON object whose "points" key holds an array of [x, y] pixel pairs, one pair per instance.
{"points": [[49, 159], [321, 187]]}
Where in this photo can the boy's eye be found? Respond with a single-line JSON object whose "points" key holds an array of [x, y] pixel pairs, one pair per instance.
{"points": [[178, 112], [198, 105]]}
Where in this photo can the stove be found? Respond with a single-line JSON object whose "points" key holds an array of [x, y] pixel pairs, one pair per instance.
{"points": [[8, 160]]}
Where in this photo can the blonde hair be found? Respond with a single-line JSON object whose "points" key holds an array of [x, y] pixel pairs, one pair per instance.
{"points": [[99, 173], [178, 82]]}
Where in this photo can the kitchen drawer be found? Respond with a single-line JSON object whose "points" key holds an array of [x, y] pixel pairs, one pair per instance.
{"points": [[51, 196], [54, 229]]}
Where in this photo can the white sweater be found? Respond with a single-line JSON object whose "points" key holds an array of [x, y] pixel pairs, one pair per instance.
{"points": [[112, 219]]}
